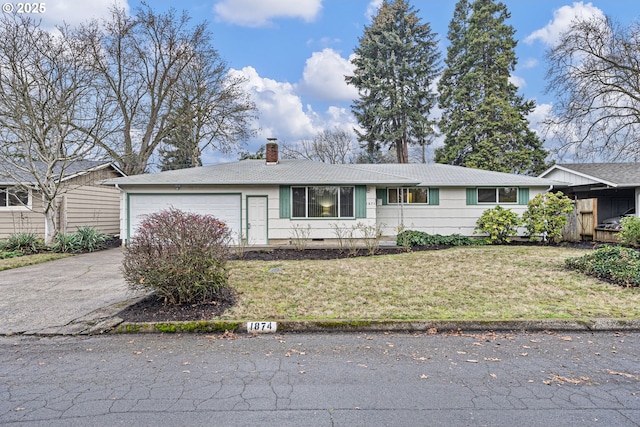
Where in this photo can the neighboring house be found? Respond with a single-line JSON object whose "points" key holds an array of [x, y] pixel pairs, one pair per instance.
{"points": [[83, 201], [266, 202], [616, 186]]}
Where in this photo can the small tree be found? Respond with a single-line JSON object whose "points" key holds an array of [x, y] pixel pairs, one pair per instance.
{"points": [[181, 256], [499, 223], [547, 215]]}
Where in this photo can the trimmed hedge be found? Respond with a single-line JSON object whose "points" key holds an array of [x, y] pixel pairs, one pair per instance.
{"points": [[615, 264]]}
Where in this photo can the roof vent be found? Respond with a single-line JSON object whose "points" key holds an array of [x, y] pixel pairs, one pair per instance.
{"points": [[272, 151]]}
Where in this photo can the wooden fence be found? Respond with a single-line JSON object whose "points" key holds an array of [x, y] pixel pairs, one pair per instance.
{"points": [[583, 224]]}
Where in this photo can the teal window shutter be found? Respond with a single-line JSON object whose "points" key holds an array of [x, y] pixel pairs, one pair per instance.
{"points": [[472, 196], [381, 193], [285, 201], [523, 196], [361, 201], [434, 196]]}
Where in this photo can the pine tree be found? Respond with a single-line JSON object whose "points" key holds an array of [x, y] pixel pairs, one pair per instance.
{"points": [[484, 119], [396, 62], [181, 148], [178, 151]]}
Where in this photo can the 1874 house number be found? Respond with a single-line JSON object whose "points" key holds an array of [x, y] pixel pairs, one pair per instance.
{"points": [[262, 326]]}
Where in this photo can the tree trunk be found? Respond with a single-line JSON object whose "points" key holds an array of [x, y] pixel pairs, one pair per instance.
{"points": [[51, 215]]}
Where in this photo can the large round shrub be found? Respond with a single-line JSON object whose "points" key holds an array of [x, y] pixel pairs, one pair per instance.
{"points": [[181, 256], [499, 223], [546, 215]]}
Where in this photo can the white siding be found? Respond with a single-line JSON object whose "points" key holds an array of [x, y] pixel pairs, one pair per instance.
{"points": [[451, 216], [566, 176], [283, 228]]}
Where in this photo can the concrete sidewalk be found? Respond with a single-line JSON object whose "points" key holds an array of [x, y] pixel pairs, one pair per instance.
{"points": [[75, 295]]}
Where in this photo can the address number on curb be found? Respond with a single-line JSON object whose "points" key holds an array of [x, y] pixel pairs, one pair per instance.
{"points": [[262, 326]]}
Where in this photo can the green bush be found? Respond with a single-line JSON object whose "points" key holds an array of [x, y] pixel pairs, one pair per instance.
{"points": [[613, 263], [27, 243], [500, 224], [547, 215], [413, 238], [65, 243], [13, 254], [86, 239], [630, 231], [90, 239], [181, 256]]}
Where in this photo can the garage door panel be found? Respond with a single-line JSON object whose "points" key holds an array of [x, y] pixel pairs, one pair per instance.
{"points": [[224, 207]]}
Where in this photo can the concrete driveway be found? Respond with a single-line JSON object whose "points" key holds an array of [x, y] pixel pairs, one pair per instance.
{"points": [[74, 295]]}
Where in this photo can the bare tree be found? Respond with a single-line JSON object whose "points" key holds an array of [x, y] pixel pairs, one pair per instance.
{"points": [[212, 111], [329, 146], [144, 62], [48, 110], [595, 73]]}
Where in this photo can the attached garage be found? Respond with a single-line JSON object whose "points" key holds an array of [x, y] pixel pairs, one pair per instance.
{"points": [[225, 207]]}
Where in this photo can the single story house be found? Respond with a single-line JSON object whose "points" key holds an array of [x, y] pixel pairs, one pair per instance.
{"points": [[266, 202], [84, 202], [615, 186]]}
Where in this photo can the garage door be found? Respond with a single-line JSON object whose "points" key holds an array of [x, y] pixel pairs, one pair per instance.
{"points": [[225, 207]]}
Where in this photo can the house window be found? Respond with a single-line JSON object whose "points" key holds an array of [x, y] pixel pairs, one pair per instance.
{"points": [[498, 195], [407, 195], [322, 202], [11, 197]]}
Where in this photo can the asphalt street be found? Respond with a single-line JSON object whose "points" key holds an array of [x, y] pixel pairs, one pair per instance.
{"points": [[352, 379]]}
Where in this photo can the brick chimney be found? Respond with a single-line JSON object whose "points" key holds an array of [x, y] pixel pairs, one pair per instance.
{"points": [[272, 151]]}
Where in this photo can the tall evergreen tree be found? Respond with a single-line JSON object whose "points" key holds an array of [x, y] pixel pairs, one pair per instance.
{"points": [[396, 62], [484, 119]]}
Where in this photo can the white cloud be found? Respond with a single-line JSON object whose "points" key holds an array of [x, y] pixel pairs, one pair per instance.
{"points": [[372, 9], [257, 13], [562, 19], [323, 77], [537, 117], [74, 12], [280, 109], [517, 81], [529, 63], [550, 134], [281, 113]]}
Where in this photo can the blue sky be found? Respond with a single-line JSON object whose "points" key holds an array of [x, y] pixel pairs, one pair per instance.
{"points": [[295, 53]]}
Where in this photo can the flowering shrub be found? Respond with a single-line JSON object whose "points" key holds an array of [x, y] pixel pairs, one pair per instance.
{"points": [[181, 256]]}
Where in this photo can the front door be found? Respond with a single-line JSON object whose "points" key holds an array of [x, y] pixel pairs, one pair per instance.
{"points": [[256, 220]]}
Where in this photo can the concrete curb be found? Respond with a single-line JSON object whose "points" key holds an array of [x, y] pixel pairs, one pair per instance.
{"points": [[577, 325]]}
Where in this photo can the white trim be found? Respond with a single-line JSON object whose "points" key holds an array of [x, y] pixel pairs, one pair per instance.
{"points": [[580, 174]]}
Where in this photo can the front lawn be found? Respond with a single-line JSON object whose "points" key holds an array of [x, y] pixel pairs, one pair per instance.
{"points": [[478, 282], [24, 260]]}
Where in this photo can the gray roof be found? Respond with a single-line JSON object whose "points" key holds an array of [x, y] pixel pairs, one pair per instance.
{"points": [[615, 174], [305, 172], [11, 174], [436, 174]]}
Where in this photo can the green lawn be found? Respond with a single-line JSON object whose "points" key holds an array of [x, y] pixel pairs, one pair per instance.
{"points": [[21, 261], [480, 282]]}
